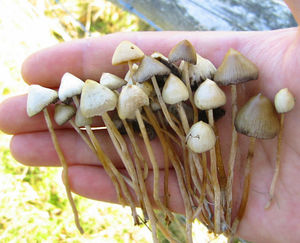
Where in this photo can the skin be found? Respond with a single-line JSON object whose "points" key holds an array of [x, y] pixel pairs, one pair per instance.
{"points": [[276, 53]]}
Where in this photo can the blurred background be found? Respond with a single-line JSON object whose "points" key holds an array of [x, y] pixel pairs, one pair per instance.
{"points": [[33, 205]]}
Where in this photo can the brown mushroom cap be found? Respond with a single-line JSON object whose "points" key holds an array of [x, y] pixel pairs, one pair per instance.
{"points": [[131, 98], [38, 98], [258, 118], [148, 68], [185, 51], [235, 69], [96, 99], [126, 51]]}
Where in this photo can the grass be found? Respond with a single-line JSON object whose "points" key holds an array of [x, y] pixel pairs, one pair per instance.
{"points": [[33, 204]]}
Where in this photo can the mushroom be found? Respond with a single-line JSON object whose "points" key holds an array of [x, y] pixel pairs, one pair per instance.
{"points": [[97, 100], [70, 88], [202, 70], [256, 119], [111, 81], [207, 97], [284, 102], [38, 99], [185, 51], [235, 69]]}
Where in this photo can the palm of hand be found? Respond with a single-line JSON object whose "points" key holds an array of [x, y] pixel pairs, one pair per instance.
{"points": [[275, 53]]}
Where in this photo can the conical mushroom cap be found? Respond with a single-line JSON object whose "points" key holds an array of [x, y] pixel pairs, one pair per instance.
{"points": [[38, 98], [70, 86], [284, 101], [201, 137], [235, 69], [63, 113], [185, 51], [258, 118], [174, 90], [96, 99], [111, 81], [131, 98], [209, 96], [204, 69], [82, 121], [126, 51], [148, 68]]}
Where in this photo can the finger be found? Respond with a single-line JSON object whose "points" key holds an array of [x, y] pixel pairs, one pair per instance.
{"points": [[93, 182], [88, 58], [14, 118], [36, 149]]}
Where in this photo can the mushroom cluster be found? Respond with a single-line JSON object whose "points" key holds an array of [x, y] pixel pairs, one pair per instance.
{"points": [[177, 100]]}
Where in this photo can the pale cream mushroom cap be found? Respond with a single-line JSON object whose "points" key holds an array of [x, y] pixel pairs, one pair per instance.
{"points": [[81, 120], [284, 101], [70, 86], [38, 98], [201, 137], [131, 98], [63, 113], [126, 51], [111, 81], [174, 90], [147, 87], [209, 96], [204, 69], [96, 99], [148, 68]]}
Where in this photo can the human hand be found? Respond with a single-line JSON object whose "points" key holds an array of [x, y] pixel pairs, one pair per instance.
{"points": [[273, 52]]}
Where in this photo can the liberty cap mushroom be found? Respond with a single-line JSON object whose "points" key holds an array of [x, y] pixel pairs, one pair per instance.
{"points": [[70, 86], [96, 99], [148, 68], [185, 51], [111, 81], [256, 119], [174, 90], [131, 99], [284, 102], [38, 99], [202, 70], [126, 51], [63, 113], [201, 137], [235, 68]]}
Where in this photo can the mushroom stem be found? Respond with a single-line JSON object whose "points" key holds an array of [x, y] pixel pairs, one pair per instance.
{"points": [[277, 166], [215, 182], [65, 168], [84, 138], [114, 174], [186, 79], [165, 142], [147, 202], [123, 152], [247, 179], [98, 151], [232, 156], [154, 165]]}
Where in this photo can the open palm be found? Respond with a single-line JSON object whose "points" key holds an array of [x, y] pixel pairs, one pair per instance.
{"points": [[276, 55]]}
